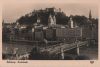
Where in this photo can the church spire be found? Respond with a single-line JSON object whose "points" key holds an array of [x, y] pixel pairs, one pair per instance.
{"points": [[52, 20], [38, 19], [90, 15]]}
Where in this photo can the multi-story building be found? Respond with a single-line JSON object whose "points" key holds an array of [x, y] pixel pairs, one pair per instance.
{"points": [[68, 34], [50, 34]]}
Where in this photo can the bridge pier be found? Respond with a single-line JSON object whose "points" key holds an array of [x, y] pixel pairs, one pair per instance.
{"points": [[77, 49], [62, 54]]}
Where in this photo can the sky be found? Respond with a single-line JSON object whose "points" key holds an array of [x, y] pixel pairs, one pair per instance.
{"points": [[12, 11]]}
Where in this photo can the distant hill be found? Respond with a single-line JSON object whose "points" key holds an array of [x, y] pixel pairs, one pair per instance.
{"points": [[31, 18], [61, 17]]}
